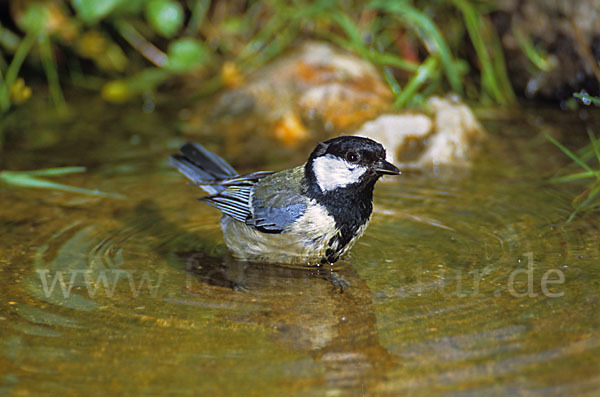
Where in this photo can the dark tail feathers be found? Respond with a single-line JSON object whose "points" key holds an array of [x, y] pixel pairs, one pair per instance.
{"points": [[202, 167]]}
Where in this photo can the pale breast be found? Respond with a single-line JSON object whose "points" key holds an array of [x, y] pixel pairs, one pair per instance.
{"points": [[305, 243]]}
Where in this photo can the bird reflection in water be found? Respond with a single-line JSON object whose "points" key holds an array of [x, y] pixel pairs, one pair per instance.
{"points": [[325, 312]]}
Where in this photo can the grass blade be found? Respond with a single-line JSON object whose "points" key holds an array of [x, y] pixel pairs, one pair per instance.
{"points": [[595, 144], [388, 75], [349, 27], [30, 179], [500, 63], [199, 11], [592, 193], [425, 71], [539, 60], [14, 67], [475, 28], [575, 177], [52, 171], [49, 65], [571, 155], [274, 25], [430, 35], [386, 59]]}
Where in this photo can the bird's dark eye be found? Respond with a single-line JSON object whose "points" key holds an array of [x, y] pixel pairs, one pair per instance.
{"points": [[352, 157]]}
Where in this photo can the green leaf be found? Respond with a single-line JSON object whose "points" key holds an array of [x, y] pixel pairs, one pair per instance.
{"points": [[165, 16], [129, 7], [34, 18], [186, 54], [92, 11]]}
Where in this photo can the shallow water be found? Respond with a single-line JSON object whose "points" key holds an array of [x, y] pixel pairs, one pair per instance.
{"points": [[468, 283]]}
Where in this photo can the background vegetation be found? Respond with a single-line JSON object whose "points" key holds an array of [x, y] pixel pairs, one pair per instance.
{"points": [[123, 48], [126, 49]]}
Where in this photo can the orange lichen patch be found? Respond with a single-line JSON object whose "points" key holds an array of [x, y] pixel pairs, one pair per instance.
{"points": [[332, 90], [232, 75], [290, 130], [338, 89], [305, 72], [343, 105], [314, 74], [347, 119], [369, 85]]}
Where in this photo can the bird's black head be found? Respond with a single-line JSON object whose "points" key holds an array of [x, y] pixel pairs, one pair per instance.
{"points": [[340, 175], [346, 161]]}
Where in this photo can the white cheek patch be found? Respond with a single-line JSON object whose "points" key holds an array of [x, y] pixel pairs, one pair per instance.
{"points": [[332, 172]]}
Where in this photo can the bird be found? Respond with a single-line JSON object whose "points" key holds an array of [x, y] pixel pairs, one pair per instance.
{"points": [[311, 214]]}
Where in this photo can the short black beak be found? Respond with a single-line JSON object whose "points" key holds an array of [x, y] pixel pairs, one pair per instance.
{"points": [[383, 167]]}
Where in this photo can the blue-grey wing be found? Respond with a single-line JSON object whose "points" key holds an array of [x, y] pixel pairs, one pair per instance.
{"points": [[272, 219], [269, 215], [277, 202], [263, 200], [234, 199]]}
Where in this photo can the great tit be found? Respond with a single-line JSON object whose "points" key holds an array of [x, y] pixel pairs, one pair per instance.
{"points": [[311, 214]]}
